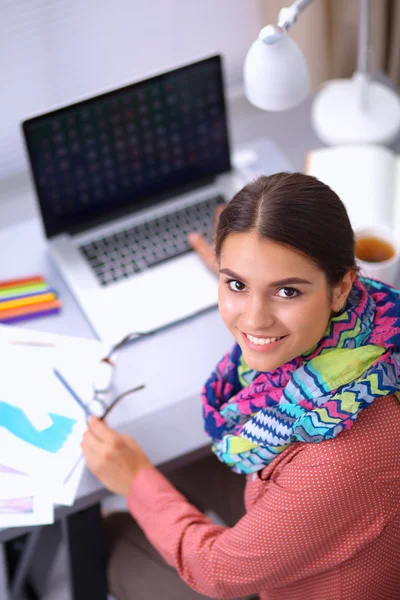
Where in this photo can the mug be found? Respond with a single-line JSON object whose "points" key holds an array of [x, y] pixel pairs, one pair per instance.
{"points": [[378, 253]]}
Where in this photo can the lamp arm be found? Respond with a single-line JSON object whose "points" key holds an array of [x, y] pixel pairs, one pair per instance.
{"points": [[363, 37], [288, 16], [362, 76]]}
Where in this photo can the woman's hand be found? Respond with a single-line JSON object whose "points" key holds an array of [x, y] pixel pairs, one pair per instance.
{"points": [[114, 458], [206, 252], [203, 248]]}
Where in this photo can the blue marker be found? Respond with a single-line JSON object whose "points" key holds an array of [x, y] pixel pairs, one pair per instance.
{"points": [[72, 392]]}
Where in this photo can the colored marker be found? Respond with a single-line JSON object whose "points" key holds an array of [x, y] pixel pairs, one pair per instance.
{"points": [[22, 281], [27, 300], [11, 313], [36, 315], [24, 289]]}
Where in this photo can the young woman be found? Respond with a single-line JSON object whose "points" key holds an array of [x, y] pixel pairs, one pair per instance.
{"points": [[304, 406]]}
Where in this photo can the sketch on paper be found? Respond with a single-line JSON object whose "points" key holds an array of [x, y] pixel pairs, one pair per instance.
{"points": [[51, 439]]}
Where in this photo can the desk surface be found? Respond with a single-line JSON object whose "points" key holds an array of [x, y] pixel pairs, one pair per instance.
{"points": [[166, 417]]}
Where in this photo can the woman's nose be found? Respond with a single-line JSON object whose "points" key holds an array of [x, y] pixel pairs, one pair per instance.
{"points": [[258, 315]]}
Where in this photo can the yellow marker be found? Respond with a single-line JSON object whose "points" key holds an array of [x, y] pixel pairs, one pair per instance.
{"points": [[7, 304]]}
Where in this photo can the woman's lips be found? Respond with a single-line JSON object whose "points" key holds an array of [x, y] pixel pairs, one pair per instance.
{"points": [[266, 347]]}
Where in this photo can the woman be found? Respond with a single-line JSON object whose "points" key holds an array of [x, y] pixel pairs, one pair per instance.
{"points": [[304, 405]]}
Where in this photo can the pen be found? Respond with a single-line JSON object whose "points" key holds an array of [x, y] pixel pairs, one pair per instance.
{"points": [[71, 392], [31, 343]]}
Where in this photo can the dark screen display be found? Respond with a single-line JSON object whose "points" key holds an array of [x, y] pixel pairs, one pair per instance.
{"points": [[127, 149]]}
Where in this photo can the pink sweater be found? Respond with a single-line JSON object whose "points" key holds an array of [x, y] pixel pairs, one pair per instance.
{"points": [[322, 521]]}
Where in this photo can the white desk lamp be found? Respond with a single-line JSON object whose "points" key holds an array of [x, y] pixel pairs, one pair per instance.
{"points": [[345, 111]]}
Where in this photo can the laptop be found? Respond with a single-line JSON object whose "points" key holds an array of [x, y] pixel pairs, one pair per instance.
{"points": [[121, 179]]}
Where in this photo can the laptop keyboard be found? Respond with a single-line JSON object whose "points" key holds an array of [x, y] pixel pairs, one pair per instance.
{"points": [[143, 246]]}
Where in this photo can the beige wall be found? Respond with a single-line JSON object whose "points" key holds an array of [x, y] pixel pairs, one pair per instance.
{"points": [[327, 32]]}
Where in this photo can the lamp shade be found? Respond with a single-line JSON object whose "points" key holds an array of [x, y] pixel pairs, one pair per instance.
{"points": [[275, 71]]}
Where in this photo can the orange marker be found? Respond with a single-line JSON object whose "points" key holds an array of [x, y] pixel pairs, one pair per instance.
{"points": [[22, 281], [29, 310]]}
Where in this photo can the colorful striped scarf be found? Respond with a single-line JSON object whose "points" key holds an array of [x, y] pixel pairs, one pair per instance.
{"points": [[252, 417]]}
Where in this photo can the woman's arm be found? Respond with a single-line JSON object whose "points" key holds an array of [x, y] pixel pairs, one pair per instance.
{"points": [[309, 520]]}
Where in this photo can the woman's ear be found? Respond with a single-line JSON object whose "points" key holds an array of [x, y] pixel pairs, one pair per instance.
{"points": [[342, 290]]}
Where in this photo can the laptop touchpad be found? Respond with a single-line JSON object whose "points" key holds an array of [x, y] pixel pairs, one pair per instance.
{"points": [[160, 295]]}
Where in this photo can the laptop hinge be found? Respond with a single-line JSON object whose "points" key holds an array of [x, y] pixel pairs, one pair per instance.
{"points": [[127, 210]]}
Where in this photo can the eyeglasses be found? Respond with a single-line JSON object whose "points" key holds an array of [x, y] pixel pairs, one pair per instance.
{"points": [[103, 381]]}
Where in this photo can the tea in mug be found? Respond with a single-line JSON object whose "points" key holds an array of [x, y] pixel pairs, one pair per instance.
{"points": [[373, 249]]}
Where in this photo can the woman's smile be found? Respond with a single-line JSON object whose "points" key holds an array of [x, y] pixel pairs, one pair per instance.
{"points": [[262, 344]]}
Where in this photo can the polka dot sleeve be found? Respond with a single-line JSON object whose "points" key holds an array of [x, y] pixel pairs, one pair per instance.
{"points": [[307, 521]]}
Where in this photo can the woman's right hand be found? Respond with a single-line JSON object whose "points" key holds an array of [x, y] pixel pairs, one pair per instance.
{"points": [[200, 245], [114, 458]]}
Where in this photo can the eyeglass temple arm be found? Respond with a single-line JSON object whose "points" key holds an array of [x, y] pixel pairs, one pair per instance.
{"points": [[112, 353], [118, 398]]}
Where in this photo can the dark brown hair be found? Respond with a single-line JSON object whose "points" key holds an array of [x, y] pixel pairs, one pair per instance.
{"points": [[298, 211]]}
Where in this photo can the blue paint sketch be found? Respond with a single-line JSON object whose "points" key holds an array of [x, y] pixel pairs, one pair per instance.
{"points": [[51, 439]]}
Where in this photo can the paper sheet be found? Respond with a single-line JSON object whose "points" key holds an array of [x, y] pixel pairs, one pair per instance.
{"points": [[23, 501], [41, 425], [28, 384]]}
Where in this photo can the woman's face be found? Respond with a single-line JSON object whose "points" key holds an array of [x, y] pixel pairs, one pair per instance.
{"points": [[274, 301]]}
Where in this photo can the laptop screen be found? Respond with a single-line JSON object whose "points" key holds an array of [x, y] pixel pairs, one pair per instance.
{"points": [[129, 148]]}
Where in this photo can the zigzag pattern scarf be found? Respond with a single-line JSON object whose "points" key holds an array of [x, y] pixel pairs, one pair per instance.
{"points": [[252, 417]]}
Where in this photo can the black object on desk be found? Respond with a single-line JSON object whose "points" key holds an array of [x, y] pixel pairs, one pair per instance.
{"points": [[29, 557]]}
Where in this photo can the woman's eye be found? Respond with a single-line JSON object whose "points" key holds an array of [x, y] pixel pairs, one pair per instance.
{"points": [[236, 286], [288, 292]]}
